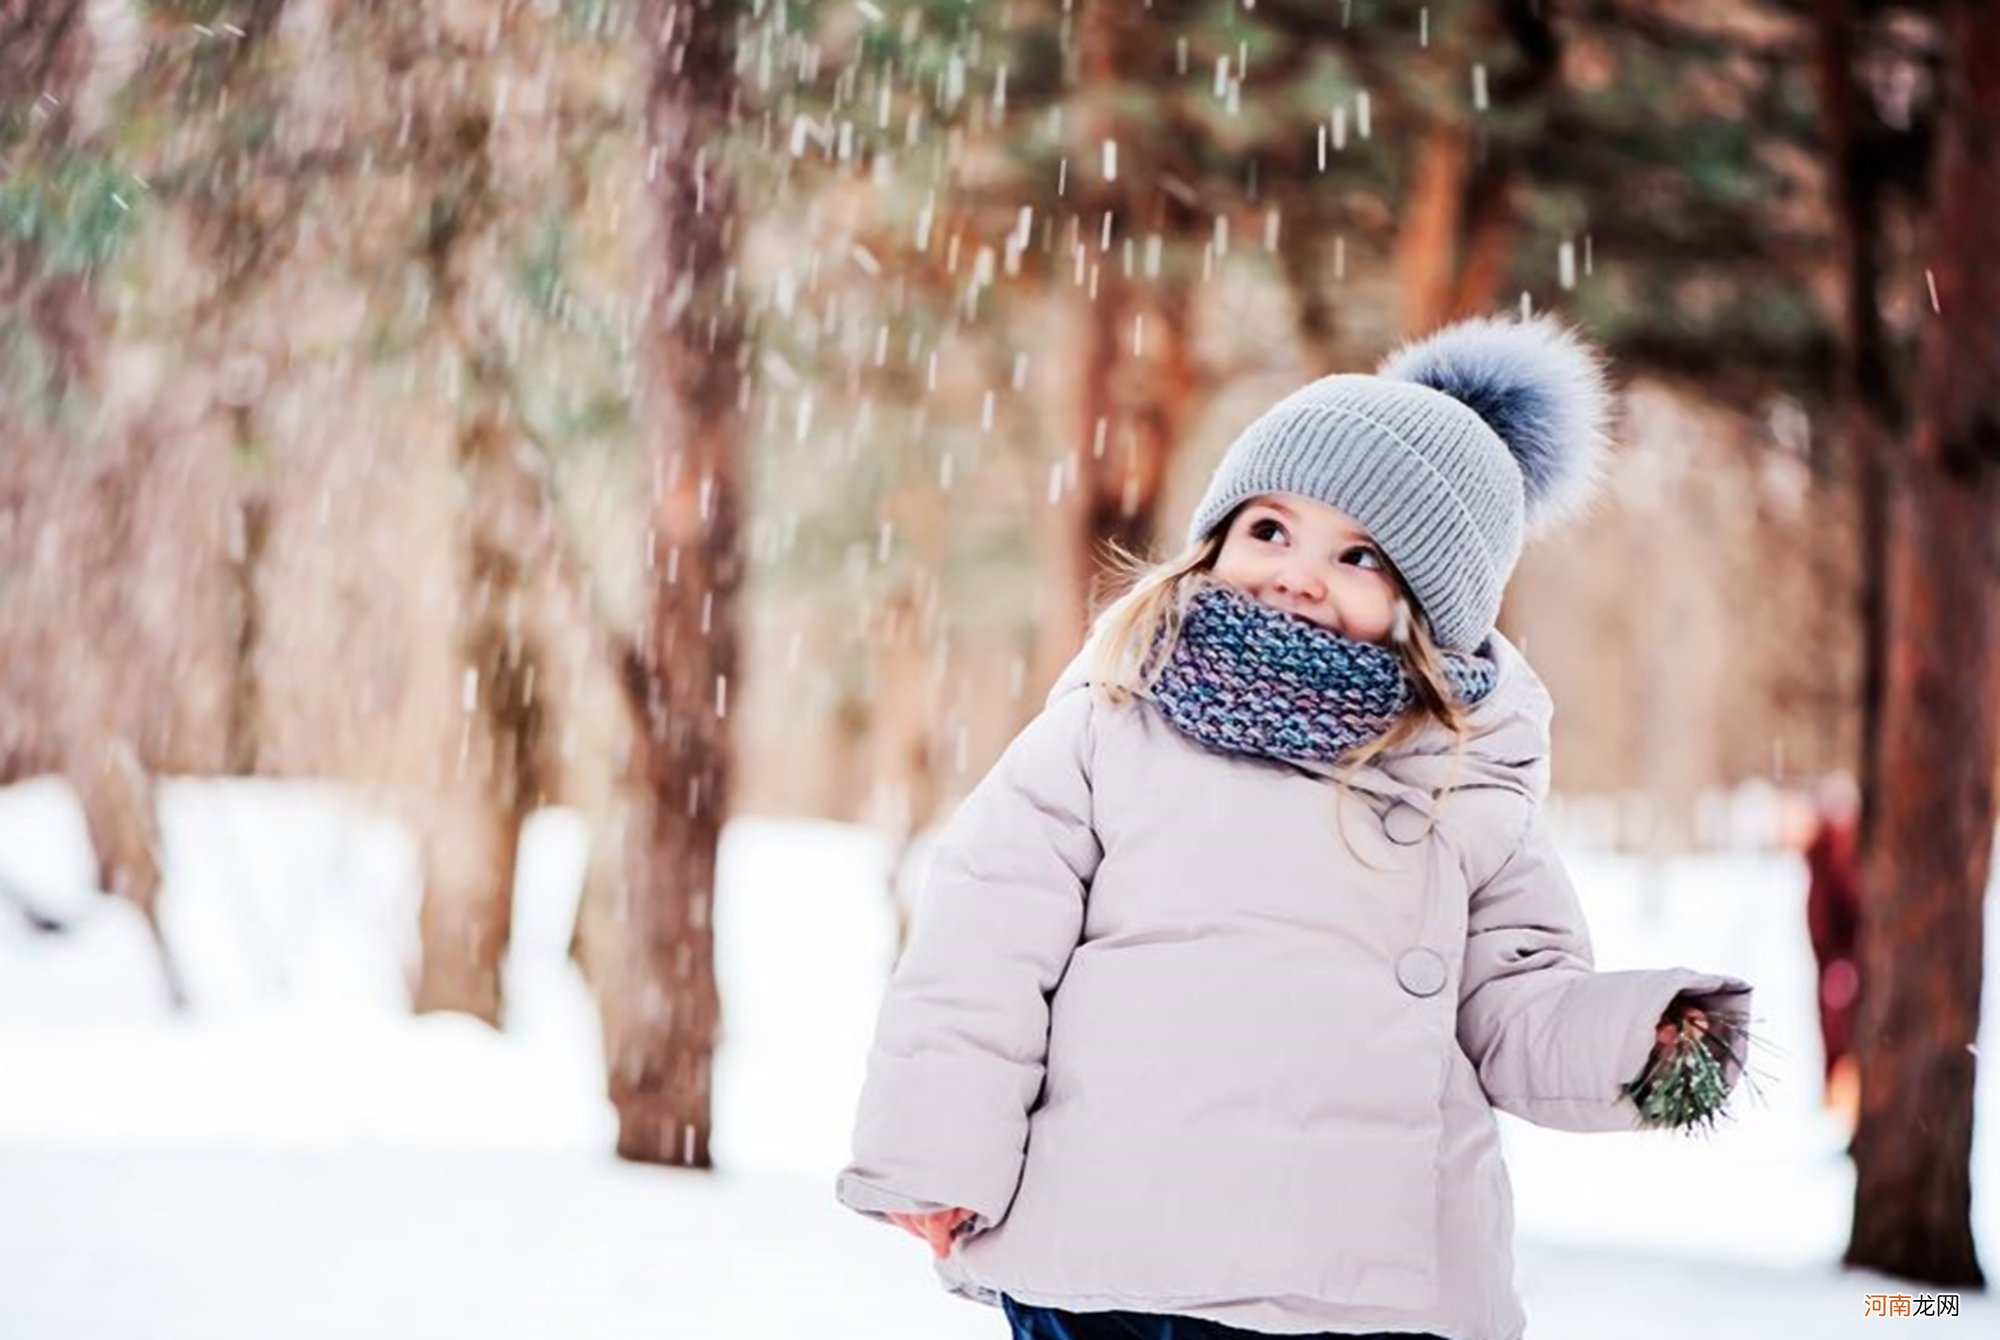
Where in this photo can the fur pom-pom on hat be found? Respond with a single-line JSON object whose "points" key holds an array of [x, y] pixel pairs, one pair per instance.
{"points": [[1538, 387]]}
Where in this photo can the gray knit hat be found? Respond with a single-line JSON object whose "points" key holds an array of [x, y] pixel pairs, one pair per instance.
{"points": [[1456, 447]]}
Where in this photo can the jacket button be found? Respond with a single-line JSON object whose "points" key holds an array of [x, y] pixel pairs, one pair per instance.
{"points": [[1421, 971], [1406, 825]]}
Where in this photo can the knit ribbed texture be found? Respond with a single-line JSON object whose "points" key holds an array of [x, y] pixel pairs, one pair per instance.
{"points": [[1246, 678], [1430, 482]]}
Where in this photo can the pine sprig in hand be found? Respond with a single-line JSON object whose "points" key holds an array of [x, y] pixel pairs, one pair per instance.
{"points": [[1685, 1086]]}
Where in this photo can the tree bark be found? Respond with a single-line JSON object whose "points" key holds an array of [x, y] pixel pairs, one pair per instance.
{"points": [[1137, 377], [662, 1036], [50, 717], [1302, 264], [1427, 246], [1928, 868], [1125, 481], [1452, 255], [1128, 439], [1874, 414], [906, 704]]}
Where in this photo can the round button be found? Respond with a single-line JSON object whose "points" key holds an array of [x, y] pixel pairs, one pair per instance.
{"points": [[1421, 971], [1406, 825]]}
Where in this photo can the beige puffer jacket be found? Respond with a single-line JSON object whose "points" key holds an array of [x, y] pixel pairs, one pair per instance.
{"points": [[1181, 1050]]}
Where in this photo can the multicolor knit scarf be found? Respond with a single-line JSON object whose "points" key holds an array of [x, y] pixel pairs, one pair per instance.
{"points": [[1248, 678]]}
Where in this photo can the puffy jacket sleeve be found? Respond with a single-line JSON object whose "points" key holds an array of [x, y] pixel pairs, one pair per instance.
{"points": [[962, 1033], [1552, 1039]]}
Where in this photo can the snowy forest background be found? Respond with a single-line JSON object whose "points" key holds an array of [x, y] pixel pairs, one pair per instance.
{"points": [[518, 516]]}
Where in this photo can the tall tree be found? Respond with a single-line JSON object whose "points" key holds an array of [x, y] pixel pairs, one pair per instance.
{"points": [[662, 1032], [1867, 390], [1460, 231], [1133, 404], [81, 518], [1876, 174], [1929, 860]]}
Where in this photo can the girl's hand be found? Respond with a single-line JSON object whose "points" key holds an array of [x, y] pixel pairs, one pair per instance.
{"points": [[1675, 1018], [935, 1228], [1686, 1083]]}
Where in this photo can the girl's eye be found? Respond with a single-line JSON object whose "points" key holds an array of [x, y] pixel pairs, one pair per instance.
{"points": [[1261, 528], [1363, 557]]}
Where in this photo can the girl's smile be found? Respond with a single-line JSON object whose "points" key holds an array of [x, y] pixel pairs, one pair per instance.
{"points": [[1299, 555]]}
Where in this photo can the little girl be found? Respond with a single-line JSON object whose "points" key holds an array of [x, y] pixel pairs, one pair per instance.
{"points": [[1221, 971]]}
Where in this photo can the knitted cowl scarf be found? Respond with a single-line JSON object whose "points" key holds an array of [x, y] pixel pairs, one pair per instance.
{"points": [[1247, 678]]}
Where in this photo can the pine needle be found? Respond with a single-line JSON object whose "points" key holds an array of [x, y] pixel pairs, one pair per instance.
{"points": [[1686, 1087]]}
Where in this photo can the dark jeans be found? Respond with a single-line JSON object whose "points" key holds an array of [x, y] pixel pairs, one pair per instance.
{"points": [[1048, 1323]]}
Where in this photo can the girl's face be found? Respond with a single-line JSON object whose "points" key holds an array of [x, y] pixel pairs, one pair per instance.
{"points": [[1301, 556]]}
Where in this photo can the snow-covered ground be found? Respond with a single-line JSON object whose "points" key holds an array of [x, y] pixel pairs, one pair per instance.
{"points": [[299, 1157]]}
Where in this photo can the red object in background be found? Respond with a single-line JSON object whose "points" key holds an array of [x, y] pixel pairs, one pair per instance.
{"points": [[1833, 919]]}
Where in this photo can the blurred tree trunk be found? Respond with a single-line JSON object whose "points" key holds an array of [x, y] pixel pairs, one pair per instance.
{"points": [[1126, 474], [1874, 415], [471, 833], [908, 712], [662, 1032], [49, 718], [1930, 860], [1302, 262], [1499, 165], [1427, 245], [906, 703], [1134, 405], [1453, 251]]}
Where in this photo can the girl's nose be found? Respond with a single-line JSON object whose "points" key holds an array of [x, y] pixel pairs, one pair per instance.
{"points": [[1301, 582]]}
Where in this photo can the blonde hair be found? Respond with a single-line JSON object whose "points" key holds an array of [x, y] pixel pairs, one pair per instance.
{"points": [[1138, 629]]}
